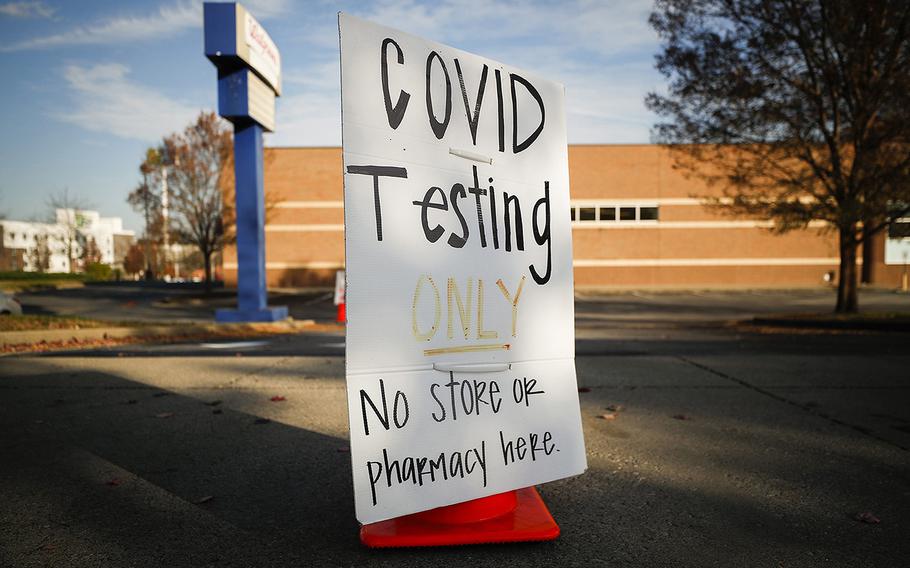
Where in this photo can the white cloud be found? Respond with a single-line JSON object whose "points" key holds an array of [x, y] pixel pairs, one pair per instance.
{"points": [[105, 100], [27, 10], [166, 21], [169, 20], [308, 119], [596, 26], [310, 113], [265, 9]]}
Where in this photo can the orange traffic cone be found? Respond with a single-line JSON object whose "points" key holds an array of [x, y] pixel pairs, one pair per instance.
{"points": [[513, 516], [342, 316]]}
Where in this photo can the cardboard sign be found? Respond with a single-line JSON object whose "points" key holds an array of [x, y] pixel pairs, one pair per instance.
{"points": [[460, 339]]}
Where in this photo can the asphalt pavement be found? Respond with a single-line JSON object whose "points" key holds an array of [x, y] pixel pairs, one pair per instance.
{"points": [[728, 446], [161, 302]]}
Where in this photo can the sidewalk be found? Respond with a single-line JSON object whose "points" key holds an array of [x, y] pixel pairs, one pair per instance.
{"points": [[724, 449]]}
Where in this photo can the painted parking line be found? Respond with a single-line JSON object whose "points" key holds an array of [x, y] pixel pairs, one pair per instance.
{"points": [[235, 344]]}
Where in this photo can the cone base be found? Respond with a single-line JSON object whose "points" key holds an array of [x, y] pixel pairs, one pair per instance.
{"points": [[530, 520], [341, 316]]}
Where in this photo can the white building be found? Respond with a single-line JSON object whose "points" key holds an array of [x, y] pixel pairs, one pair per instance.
{"points": [[19, 240]]}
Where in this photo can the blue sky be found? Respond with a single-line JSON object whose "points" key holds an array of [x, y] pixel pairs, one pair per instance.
{"points": [[88, 85]]}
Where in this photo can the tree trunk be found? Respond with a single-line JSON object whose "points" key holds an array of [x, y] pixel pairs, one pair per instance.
{"points": [[207, 262], [847, 301], [148, 256], [868, 247]]}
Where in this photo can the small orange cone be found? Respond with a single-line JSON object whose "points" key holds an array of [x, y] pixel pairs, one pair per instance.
{"points": [[342, 317]]}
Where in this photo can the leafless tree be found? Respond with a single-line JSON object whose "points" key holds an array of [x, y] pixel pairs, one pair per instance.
{"points": [[70, 221], [146, 200], [91, 254], [200, 175], [39, 256], [796, 108]]}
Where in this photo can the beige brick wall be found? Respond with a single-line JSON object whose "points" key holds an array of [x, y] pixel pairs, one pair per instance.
{"points": [[690, 246]]}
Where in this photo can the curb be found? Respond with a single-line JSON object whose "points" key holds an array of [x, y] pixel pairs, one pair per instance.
{"points": [[15, 338], [902, 325]]}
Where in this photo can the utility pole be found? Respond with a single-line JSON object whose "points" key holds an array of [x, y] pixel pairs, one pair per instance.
{"points": [[164, 207], [145, 203]]}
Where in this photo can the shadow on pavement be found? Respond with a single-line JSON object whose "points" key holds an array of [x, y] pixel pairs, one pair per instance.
{"points": [[99, 469]]}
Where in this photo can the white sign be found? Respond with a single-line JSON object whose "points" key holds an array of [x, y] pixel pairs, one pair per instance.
{"points": [[255, 46], [460, 338], [260, 100], [897, 242], [339, 288]]}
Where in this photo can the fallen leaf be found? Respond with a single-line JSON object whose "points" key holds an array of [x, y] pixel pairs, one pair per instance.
{"points": [[261, 421], [608, 416], [164, 415], [615, 408], [214, 403], [113, 482], [278, 399], [682, 417], [584, 389], [202, 500], [868, 518]]}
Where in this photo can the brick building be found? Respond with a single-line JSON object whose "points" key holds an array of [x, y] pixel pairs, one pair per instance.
{"points": [[637, 223]]}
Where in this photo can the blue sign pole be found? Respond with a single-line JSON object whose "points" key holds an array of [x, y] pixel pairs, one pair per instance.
{"points": [[250, 206], [247, 71]]}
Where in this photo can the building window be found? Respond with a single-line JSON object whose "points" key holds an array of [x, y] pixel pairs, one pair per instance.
{"points": [[647, 213], [899, 229], [607, 213]]}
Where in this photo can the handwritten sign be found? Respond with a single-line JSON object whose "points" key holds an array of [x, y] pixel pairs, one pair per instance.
{"points": [[460, 337]]}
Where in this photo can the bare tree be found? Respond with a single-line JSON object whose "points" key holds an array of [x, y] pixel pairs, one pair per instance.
{"points": [[145, 199], [200, 173], [91, 254], [135, 260], [796, 108], [39, 256], [70, 221]]}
